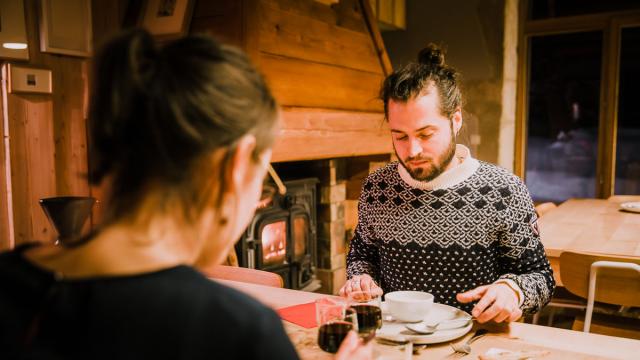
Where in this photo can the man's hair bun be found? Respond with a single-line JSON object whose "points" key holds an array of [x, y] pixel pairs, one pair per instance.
{"points": [[431, 55]]}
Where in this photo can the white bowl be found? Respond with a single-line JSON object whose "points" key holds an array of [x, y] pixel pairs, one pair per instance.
{"points": [[409, 306]]}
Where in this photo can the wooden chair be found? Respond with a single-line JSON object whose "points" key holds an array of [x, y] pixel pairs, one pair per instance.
{"points": [[544, 208], [241, 274], [606, 279]]}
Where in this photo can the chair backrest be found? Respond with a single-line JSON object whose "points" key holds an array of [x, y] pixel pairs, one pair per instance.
{"points": [[613, 286], [544, 208], [244, 275]]}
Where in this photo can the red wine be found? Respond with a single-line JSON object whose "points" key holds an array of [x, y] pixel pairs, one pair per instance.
{"points": [[330, 335], [369, 317]]}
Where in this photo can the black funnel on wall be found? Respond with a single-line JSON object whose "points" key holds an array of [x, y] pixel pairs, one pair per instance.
{"points": [[68, 215]]}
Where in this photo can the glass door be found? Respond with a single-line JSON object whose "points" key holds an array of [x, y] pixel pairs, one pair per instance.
{"points": [[578, 128], [627, 155], [563, 115]]}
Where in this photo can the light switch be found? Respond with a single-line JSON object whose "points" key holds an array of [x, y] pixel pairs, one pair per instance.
{"points": [[29, 80]]}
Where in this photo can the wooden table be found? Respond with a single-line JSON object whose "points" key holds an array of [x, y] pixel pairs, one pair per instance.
{"points": [[591, 226], [561, 344]]}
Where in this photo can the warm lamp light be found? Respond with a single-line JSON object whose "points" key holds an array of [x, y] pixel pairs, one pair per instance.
{"points": [[14, 46]]}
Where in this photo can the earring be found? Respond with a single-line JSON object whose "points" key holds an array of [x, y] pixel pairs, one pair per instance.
{"points": [[226, 210], [223, 219]]}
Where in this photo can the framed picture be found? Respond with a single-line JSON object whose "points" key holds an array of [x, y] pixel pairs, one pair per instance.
{"points": [[65, 27], [167, 19], [13, 31]]}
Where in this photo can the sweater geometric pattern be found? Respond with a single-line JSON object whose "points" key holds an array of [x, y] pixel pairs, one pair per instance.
{"points": [[450, 240]]}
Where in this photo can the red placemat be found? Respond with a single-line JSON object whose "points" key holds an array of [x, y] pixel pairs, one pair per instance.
{"points": [[302, 314]]}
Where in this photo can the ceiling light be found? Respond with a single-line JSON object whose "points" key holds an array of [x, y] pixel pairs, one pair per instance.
{"points": [[14, 46]]}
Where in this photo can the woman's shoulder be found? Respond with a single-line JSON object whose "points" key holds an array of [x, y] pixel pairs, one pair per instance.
{"points": [[225, 300], [14, 266], [226, 313]]}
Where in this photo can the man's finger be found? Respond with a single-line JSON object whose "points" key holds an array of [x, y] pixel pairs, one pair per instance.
{"points": [[366, 285], [472, 295], [355, 284], [343, 289], [503, 315], [515, 315], [348, 287], [490, 313], [486, 300]]}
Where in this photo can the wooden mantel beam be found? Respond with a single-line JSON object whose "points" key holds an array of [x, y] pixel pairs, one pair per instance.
{"points": [[312, 133]]}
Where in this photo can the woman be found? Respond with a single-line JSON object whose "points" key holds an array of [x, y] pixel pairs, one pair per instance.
{"points": [[182, 135]]}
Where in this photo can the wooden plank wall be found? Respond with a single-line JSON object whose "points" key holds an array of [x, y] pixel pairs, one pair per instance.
{"points": [[313, 131], [5, 239], [317, 56], [220, 18], [47, 155], [322, 65], [48, 143]]}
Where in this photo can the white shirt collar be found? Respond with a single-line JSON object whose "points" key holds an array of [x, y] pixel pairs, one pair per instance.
{"points": [[459, 173]]}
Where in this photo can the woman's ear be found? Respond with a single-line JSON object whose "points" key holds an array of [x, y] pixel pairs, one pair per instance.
{"points": [[239, 169]]}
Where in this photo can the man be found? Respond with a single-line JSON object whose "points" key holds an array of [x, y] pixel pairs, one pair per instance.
{"points": [[439, 220]]}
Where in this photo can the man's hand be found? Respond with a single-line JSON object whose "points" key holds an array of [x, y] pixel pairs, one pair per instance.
{"points": [[498, 302], [362, 282]]}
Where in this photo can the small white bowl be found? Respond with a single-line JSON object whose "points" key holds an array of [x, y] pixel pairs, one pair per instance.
{"points": [[409, 306]]}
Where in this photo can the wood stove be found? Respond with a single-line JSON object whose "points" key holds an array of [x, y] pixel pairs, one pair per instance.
{"points": [[281, 238]]}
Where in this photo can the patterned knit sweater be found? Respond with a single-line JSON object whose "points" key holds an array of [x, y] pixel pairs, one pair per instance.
{"points": [[473, 225]]}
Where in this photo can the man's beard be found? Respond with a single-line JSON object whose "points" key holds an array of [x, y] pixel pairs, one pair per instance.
{"points": [[432, 169]]}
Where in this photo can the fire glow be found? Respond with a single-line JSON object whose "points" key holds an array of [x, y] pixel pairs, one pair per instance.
{"points": [[274, 242], [300, 235]]}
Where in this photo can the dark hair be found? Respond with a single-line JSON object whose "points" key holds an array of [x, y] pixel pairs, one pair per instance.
{"points": [[415, 78], [157, 113]]}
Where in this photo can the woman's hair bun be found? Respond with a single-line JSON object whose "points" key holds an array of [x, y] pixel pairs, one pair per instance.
{"points": [[431, 55]]}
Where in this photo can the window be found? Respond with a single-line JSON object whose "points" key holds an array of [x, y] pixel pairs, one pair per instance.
{"points": [[578, 129], [544, 9]]}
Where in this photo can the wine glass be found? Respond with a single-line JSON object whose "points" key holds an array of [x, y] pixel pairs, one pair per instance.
{"points": [[335, 320], [367, 308]]}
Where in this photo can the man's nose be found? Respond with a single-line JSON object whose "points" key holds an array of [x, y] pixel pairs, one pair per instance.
{"points": [[414, 148]]}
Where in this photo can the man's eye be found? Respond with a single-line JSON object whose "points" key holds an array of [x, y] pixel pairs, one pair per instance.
{"points": [[401, 138], [425, 136]]}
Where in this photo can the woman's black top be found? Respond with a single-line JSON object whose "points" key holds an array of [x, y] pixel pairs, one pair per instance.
{"points": [[175, 313]]}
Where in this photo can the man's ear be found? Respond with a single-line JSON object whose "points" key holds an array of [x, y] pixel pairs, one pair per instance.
{"points": [[457, 121], [239, 166]]}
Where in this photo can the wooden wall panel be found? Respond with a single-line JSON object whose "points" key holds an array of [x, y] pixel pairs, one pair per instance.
{"points": [[220, 18], [69, 124], [47, 136], [347, 13], [5, 239], [301, 36], [319, 133], [325, 59], [306, 84], [32, 164]]}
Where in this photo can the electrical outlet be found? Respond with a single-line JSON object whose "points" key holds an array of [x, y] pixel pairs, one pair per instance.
{"points": [[29, 80]]}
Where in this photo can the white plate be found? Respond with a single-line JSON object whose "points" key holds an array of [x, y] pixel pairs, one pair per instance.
{"points": [[633, 206], [396, 330]]}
